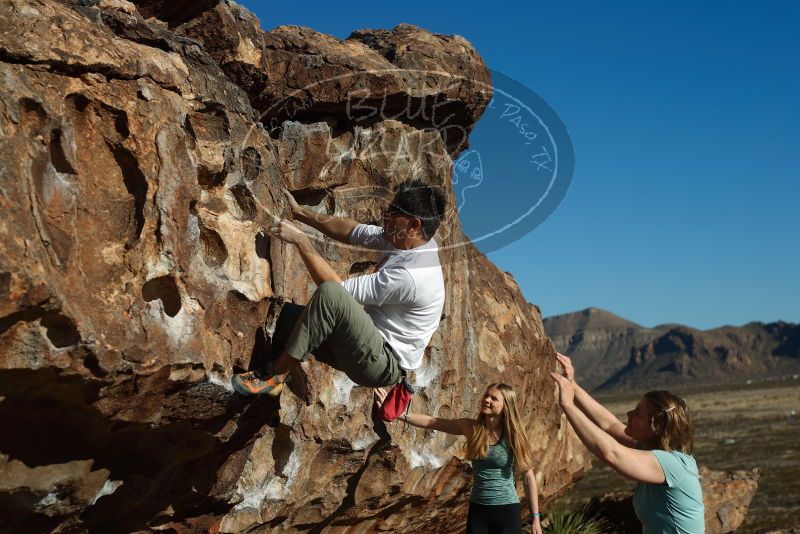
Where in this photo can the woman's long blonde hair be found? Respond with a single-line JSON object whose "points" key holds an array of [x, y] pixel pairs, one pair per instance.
{"points": [[671, 421], [478, 443]]}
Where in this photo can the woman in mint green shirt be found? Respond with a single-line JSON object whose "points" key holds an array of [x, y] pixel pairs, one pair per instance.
{"points": [[499, 449], [654, 449]]}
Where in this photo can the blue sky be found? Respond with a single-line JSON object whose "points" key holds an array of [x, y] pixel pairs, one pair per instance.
{"points": [[685, 118]]}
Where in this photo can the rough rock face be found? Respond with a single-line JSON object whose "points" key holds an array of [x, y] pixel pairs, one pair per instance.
{"points": [[136, 276], [726, 497], [429, 81], [446, 61]]}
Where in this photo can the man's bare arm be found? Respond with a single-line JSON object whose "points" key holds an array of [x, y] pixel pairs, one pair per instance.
{"points": [[319, 269], [338, 228]]}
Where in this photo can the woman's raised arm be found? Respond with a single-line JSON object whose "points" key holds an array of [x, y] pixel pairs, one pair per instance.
{"points": [[641, 466], [596, 412]]}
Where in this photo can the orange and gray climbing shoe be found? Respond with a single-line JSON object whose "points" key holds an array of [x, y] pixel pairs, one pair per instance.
{"points": [[259, 382]]}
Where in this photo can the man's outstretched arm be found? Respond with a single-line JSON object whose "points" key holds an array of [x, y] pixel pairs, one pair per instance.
{"points": [[338, 228], [319, 269]]}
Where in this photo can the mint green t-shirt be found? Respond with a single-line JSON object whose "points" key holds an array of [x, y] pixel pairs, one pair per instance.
{"points": [[675, 506], [493, 477]]}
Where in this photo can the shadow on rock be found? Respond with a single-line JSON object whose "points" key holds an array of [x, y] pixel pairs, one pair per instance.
{"points": [[155, 473]]}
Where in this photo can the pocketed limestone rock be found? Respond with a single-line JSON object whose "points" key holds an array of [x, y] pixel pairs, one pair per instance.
{"points": [[427, 80]]}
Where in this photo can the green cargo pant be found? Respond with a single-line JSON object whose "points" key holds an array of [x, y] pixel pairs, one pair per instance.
{"points": [[333, 322]]}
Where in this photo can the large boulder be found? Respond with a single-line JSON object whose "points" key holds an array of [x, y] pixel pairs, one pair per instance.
{"points": [[136, 276], [727, 496]]}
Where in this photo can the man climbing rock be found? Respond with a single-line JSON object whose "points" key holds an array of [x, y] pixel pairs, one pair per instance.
{"points": [[377, 325]]}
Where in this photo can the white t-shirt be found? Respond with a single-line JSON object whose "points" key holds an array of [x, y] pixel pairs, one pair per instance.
{"points": [[405, 297]]}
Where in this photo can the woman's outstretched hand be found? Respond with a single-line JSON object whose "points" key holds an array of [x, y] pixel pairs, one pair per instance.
{"points": [[536, 526], [566, 390], [565, 381], [566, 363], [379, 394]]}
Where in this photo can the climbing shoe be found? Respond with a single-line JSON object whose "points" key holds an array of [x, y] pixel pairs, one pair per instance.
{"points": [[256, 383]]}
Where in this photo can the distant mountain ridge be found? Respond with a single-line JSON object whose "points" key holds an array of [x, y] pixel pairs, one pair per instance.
{"points": [[613, 353]]}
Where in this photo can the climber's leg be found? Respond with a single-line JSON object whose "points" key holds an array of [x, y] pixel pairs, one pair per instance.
{"points": [[335, 318]]}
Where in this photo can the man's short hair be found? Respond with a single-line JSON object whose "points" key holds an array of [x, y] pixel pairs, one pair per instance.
{"points": [[425, 202]]}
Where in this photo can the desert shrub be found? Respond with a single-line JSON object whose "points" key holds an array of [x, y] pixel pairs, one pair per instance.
{"points": [[561, 520]]}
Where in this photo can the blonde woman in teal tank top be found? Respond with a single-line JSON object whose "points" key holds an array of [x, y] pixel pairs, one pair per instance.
{"points": [[499, 451], [653, 449]]}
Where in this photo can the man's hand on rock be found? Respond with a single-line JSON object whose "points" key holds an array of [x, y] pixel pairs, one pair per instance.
{"points": [[286, 231], [293, 205]]}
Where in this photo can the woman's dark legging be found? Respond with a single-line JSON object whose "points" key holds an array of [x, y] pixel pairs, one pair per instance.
{"points": [[494, 519]]}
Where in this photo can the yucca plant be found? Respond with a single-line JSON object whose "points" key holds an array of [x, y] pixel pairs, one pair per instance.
{"points": [[561, 520]]}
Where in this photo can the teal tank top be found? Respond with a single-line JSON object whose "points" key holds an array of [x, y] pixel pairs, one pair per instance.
{"points": [[676, 506], [493, 477]]}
